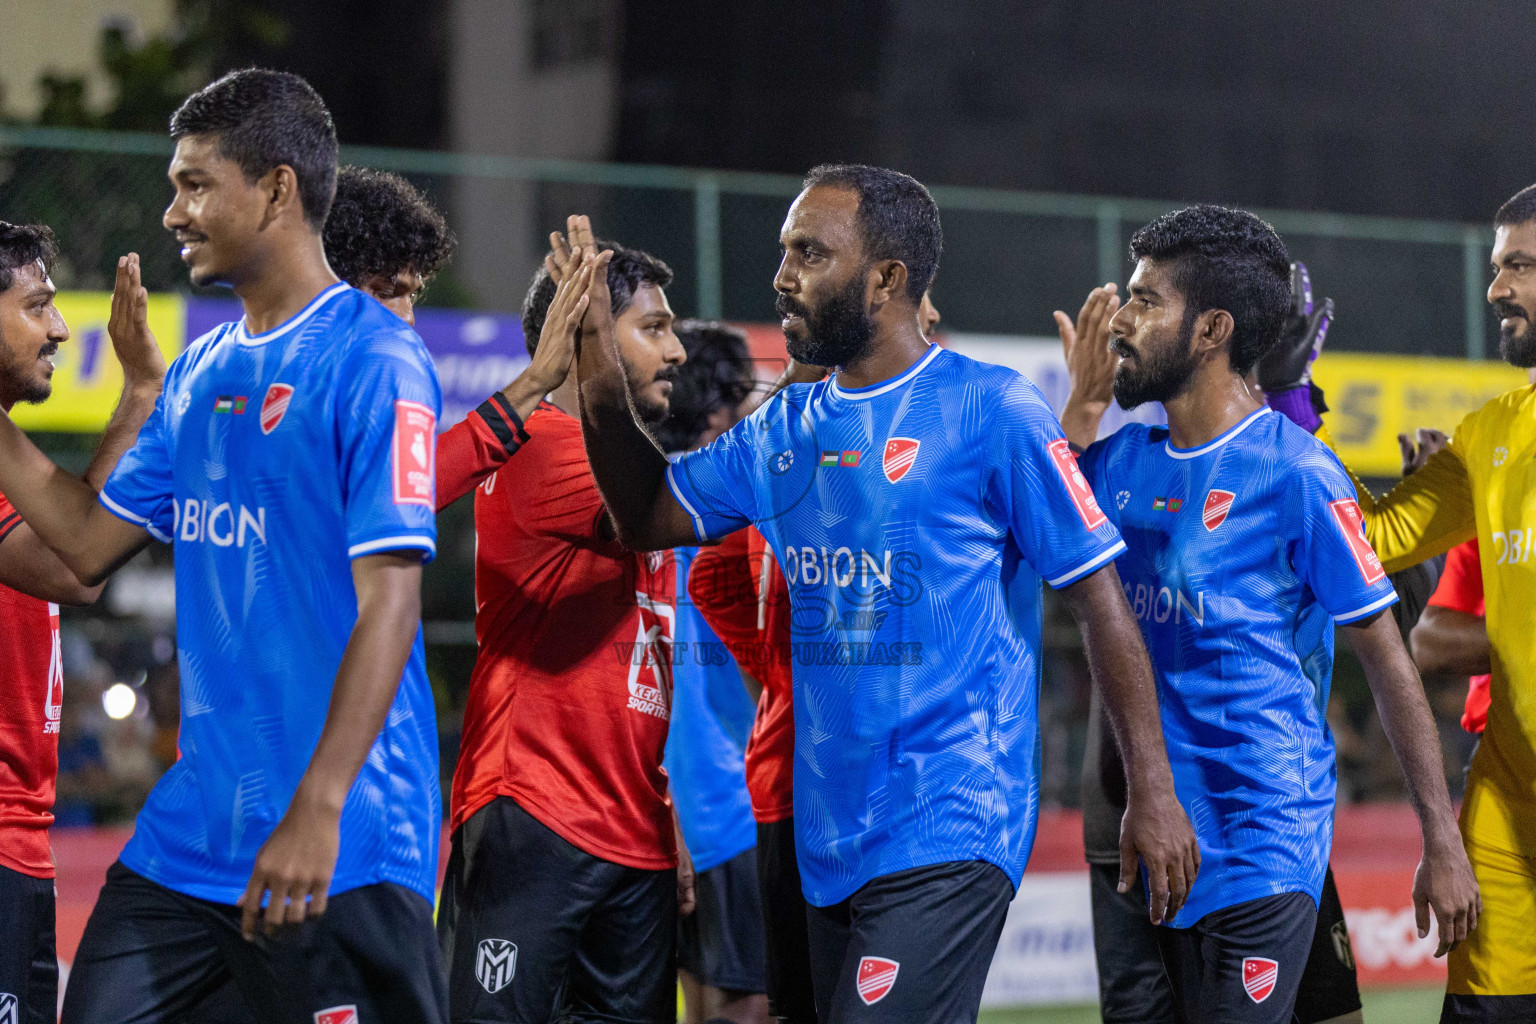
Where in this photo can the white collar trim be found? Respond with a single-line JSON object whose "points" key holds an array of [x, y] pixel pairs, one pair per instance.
{"points": [[246, 338], [1210, 446], [859, 394]]}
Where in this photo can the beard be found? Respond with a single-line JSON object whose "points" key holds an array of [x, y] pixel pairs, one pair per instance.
{"points": [[17, 385], [651, 411], [1162, 373], [1517, 346], [835, 334]]}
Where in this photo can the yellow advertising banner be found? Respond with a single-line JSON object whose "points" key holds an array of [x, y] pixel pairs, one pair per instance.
{"points": [[86, 377], [1372, 399]]}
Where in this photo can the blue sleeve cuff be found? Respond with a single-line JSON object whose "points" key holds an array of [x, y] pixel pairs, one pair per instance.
{"points": [[1093, 564], [128, 515]]}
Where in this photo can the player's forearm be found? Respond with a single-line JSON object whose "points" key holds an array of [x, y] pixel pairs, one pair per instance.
{"points": [[1080, 419], [1446, 640], [388, 617], [133, 408], [59, 507], [1121, 669], [1408, 723]]}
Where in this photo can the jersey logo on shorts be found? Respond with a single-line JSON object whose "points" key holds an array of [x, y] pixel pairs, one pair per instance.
{"points": [[1217, 505], [1346, 512], [9, 1010], [1259, 976], [413, 453], [495, 964], [877, 976], [337, 1015], [275, 406], [900, 454], [1077, 484]]}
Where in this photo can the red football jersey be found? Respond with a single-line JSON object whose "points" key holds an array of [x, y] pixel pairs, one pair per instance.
{"points": [[1461, 590], [742, 595], [31, 699], [572, 689], [476, 447]]}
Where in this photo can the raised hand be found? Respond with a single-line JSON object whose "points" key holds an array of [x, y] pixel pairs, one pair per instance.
{"points": [[1090, 364], [578, 236], [128, 327], [1288, 363], [1415, 455], [551, 362]]}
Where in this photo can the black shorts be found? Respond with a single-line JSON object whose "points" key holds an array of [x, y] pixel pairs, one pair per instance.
{"points": [[1133, 984], [721, 942], [152, 954], [790, 997], [913, 945], [29, 963], [531, 926], [1242, 964]]}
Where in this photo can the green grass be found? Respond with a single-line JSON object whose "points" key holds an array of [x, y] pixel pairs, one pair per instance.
{"points": [[1382, 1006]]}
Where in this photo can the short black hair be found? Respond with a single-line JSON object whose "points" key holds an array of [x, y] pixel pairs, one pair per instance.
{"points": [[897, 217], [22, 245], [381, 224], [1224, 259], [717, 375], [627, 271], [1519, 208], [265, 119]]}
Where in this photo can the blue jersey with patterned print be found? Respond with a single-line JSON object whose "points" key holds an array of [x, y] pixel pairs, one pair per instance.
{"points": [[914, 521], [270, 462], [707, 738], [1241, 555]]}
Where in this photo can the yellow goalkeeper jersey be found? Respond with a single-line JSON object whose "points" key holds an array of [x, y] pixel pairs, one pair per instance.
{"points": [[1483, 484]]}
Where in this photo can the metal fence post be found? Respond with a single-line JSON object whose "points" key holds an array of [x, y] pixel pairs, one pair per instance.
{"points": [[1110, 263], [1473, 257], [706, 244]]}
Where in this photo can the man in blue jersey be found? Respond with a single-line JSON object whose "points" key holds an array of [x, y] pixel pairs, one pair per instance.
{"points": [[915, 499], [721, 945], [1244, 548], [292, 848]]}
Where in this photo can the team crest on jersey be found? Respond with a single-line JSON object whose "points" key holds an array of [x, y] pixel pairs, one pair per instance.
{"points": [[1346, 512], [877, 976], [337, 1015], [275, 406], [900, 454], [10, 1010], [1259, 976], [1217, 504], [495, 964]]}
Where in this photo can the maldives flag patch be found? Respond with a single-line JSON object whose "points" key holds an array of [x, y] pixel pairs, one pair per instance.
{"points": [[1259, 976], [275, 406], [877, 976], [1217, 504], [1346, 512], [414, 454], [900, 454], [1077, 484]]}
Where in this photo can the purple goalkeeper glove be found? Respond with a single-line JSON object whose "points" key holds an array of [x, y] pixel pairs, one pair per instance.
{"points": [[1285, 371]]}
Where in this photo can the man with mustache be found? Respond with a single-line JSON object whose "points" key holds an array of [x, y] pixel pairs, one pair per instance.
{"points": [[33, 583], [916, 500], [1244, 550], [1480, 486], [564, 883]]}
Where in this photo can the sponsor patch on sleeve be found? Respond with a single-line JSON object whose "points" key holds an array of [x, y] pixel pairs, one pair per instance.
{"points": [[414, 454], [1077, 484], [1346, 513]]}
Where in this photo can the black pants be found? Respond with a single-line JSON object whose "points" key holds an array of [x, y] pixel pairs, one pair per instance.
{"points": [[913, 945], [151, 955], [1242, 964], [29, 963], [790, 997], [1133, 984], [532, 926], [721, 942]]}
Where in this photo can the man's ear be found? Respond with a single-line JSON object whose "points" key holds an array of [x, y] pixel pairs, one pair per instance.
{"points": [[1213, 330], [888, 281], [281, 186]]}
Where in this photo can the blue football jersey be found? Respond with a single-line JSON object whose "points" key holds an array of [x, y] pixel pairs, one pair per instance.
{"points": [[270, 462], [707, 740], [914, 521], [1241, 555]]}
